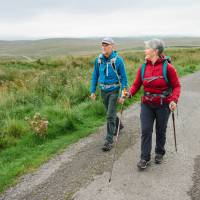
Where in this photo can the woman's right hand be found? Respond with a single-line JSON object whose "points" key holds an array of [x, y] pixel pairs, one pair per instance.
{"points": [[128, 94], [172, 106]]}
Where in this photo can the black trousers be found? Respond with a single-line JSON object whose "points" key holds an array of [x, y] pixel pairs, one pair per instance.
{"points": [[148, 115]]}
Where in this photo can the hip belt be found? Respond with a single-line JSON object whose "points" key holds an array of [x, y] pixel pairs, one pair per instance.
{"points": [[107, 86], [149, 96]]}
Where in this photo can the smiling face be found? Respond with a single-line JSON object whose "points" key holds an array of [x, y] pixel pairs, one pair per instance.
{"points": [[150, 53], [106, 49]]}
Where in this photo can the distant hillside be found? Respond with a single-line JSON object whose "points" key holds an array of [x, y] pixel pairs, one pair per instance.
{"points": [[72, 46]]}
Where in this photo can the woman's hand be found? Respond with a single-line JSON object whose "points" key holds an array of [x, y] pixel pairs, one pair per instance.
{"points": [[127, 94], [172, 106]]}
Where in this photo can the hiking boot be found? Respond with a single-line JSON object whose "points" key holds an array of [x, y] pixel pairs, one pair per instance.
{"points": [[142, 164], [158, 158], [107, 146]]}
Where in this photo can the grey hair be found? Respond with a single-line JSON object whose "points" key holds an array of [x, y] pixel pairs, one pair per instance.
{"points": [[155, 44]]}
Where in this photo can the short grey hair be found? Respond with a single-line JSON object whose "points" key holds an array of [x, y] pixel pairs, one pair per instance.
{"points": [[155, 44]]}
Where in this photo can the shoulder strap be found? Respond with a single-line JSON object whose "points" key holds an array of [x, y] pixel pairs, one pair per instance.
{"points": [[112, 61], [165, 71], [99, 60], [143, 67], [168, 58], [113, 64]]}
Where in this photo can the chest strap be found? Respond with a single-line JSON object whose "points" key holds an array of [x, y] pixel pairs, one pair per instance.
{"points": [[149, 79]]}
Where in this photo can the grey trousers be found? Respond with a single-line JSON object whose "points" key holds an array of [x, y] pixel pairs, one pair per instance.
{"points": [[110, 103]]}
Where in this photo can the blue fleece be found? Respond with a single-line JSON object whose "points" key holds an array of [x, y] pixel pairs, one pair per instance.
{"points": [[104, 74]]}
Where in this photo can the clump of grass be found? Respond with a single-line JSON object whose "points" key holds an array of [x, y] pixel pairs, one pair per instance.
{"points": [[15, 128], [96, 108], [191, 68], [78, 92], [7, 141], [72, 119], [11, 132]]}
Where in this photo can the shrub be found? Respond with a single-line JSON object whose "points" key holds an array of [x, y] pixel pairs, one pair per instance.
{"points": [[38, 124]]}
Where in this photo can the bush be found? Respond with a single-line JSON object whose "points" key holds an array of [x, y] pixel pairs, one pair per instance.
{"points": [[38, 124]]}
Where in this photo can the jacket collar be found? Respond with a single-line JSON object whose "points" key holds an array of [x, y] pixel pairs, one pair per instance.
{"points": [[158, 61], [112, 55]]}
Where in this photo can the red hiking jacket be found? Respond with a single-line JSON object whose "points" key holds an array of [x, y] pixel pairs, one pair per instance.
{"points": [[159, 85]]}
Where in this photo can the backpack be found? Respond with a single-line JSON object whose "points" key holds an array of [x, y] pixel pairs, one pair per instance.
{"points": [[113, 64], [164, 69]]}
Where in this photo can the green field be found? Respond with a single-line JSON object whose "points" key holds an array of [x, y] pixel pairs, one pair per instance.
{"points": [[82, 46], [58, 89]]}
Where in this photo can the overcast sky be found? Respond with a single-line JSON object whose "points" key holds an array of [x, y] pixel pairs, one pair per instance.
{"points": [[33, 19]]}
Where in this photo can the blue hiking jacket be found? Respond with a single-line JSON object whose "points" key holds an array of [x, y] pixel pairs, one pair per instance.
{"points": [[104, 73]]}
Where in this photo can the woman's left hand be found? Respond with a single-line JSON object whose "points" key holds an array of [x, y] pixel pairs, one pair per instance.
{"points": [[172, 106]]}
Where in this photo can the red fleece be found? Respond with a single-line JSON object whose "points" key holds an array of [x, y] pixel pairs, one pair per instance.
{"points": [[159, 85]]}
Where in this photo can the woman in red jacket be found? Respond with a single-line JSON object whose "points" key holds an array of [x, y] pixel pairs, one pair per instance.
{"points": [[161, 93]]}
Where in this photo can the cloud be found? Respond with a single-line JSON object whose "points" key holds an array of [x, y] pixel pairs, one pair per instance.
{"points": [[28, 8], [48, 18]]}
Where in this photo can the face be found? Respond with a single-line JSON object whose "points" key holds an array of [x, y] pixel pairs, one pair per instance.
{"points": [[150, 53], [106, 49]]}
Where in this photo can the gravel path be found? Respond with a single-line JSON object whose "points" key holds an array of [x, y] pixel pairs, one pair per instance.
{"points": [[81, 172]]}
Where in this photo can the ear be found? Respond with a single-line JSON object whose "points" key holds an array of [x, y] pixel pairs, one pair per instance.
{"points": [[156, 51]]}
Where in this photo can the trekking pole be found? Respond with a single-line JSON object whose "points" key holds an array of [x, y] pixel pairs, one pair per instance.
{"points": [[174, 127], [116, 142]]}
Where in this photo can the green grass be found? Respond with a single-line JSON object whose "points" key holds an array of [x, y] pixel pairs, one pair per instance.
{"points": [[32, 151], [58, 88], [81, 46]]}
